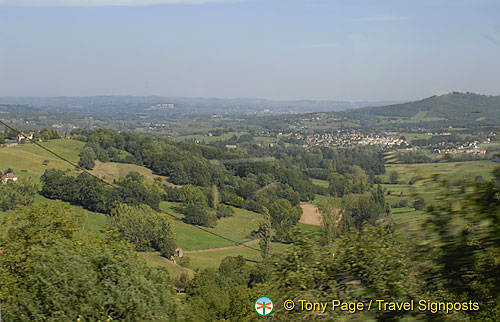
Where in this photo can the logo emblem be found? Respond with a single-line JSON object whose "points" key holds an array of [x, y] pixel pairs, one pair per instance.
{"points": [[264, 306]]}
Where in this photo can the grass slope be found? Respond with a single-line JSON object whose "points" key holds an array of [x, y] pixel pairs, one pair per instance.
{"points": [[212, 259], [237, 228], [112, 170], [27, 159], [154, 259]]}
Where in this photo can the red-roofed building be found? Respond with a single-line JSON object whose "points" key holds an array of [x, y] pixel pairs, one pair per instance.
{"points": [[25, 136], [9, 176]]}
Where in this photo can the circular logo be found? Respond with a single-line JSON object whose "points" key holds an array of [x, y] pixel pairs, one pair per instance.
{"points": [[264, 306]]}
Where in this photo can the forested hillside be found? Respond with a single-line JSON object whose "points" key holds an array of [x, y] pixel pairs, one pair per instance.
{"points": [[455, 108]]}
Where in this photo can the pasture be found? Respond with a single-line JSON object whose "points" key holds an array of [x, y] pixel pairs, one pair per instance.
{"points": [[238, 228], [28, 159], [110, 171]]}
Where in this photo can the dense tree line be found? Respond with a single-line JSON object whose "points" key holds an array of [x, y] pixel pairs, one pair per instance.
{"points": [[238, 179], [93, 194]]}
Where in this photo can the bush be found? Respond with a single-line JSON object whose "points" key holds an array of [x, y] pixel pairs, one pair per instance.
{"points": [[402, 203], [232, 199], [224, 211], [419, 204], [413, 180], [196, 215], [145, 228]]}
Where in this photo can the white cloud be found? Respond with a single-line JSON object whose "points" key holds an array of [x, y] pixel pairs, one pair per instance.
{"points": [[99, 3], [384, 18]]}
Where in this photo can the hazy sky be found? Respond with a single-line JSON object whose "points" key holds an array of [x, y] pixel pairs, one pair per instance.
{"points": [[279, 49]]}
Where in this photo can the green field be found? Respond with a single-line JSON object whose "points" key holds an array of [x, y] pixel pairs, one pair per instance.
{"points": [[213, 258], [321, 183], [422, 117], [27, 159], [154, 259], [237, 228], [264, 139], [110, 171]]}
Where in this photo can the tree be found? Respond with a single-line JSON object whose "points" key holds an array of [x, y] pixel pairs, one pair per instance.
{"points": [[56, 185], [330, 215], [224, 211], [419, 204], [362, 265], [358, 210], [194, 207], [17, 193], [191, 195], [52, 270], [394, 177], [145, 228], [231, 302], [87, 157], [215, 197], [378, 196], [195, 215], [283, 217], [135, 189], [265, 235]]}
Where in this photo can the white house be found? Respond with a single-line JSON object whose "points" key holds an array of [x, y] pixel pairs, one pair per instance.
{"points": [[9, 176], [25, 136]]}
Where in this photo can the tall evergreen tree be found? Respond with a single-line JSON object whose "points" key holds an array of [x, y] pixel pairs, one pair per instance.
{"points": [[265, 235]]}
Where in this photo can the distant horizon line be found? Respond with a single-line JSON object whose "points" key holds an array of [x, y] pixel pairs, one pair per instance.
{"points": [[211, 97], [253, 98]]}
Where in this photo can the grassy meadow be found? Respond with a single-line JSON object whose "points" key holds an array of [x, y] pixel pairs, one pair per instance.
{"points": [[28, 159], [110, 171], [238, 228]]}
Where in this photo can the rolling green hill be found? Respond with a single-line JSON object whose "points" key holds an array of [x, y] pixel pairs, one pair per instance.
{"points": [[27, 160], [456, 108]]}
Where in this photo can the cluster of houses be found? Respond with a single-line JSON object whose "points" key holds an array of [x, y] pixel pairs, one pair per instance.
{"points": [[20, 137], [460, 150], [346, 139], [470, 148]]}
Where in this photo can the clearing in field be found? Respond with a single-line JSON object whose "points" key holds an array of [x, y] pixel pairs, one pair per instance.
{"points": [[110, 171], [310, 215]]}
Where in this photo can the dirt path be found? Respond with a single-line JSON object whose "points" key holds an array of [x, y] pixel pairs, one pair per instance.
{"points": [[310, 215], [248, 243]]}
